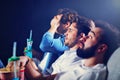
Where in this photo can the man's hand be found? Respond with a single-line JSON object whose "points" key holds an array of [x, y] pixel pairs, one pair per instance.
{"points": [[23, 61], [55, 23], [20, 63]]}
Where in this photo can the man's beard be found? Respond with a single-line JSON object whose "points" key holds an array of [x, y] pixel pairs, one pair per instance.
{"points": [[87, 53]]}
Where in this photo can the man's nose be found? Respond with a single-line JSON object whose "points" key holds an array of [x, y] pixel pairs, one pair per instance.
{"points": [[83, 38]]}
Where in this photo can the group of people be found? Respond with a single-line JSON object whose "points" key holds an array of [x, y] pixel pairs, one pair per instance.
{"points": [[79, 48]]}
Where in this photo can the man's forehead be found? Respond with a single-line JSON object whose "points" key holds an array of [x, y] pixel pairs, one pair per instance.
{"points": [[93, 33], [96, 31]]}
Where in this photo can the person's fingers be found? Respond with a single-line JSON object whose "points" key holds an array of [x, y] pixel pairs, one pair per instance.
{"points": [[9, 65], [59, 17], [23, 61]]}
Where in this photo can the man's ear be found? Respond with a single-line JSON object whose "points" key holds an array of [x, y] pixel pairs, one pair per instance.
{"points": [[67, 24], [102, 48]]}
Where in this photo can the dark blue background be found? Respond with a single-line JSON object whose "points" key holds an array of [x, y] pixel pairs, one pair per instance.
{"points": [[18, 17]]}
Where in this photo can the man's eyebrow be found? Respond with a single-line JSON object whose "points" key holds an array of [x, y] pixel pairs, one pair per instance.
{"points": [[93, 32]]}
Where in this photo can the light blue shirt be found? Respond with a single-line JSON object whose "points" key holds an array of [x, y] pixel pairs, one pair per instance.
{"points": [[52, 44]]}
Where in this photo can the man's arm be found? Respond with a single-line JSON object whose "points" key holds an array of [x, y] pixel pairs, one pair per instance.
{"points": [[49, 43], [32, 72]]}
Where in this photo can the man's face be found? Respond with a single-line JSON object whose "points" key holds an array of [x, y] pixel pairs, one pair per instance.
{"points": [[90, 43], [71, 35]]}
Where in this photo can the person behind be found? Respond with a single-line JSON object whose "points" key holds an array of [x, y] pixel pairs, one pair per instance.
{"points": [[52, 43], [55, 35]]}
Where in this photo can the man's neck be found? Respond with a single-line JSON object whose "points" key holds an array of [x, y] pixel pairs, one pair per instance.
{"points": [[92, 61], [89, 62], [74, 47]]}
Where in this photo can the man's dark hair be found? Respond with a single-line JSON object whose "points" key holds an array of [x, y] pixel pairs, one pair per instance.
{"points": [[84, 25], [71, 16], [68, 15], [110, 36]]}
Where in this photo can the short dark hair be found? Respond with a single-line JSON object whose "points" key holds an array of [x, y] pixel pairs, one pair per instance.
{"points": [[84, 25], [68, 15], [110, 37]]}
